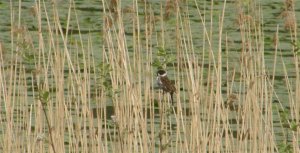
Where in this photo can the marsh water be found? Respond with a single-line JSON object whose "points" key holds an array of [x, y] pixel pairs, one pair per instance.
{"points": [[90, 18]]}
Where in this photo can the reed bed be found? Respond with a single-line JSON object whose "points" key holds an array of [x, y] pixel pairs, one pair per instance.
{"points": [[63, 91]]}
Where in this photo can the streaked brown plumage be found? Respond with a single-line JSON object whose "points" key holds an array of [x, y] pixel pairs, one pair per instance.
{"points": [[164, 83]]}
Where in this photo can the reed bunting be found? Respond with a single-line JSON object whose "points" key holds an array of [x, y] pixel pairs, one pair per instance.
{"points": [[165, 84]]}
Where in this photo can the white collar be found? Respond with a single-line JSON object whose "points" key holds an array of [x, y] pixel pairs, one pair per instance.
{"points": [[164, 75]]}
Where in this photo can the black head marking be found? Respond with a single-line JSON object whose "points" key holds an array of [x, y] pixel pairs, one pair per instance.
{"points": [[161, 72]]}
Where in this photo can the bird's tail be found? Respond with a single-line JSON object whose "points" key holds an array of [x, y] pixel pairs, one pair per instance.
{"points": [[172, 98]]}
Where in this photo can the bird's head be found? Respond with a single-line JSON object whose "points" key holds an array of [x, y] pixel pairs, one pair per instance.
{"points": [[161, 73]]}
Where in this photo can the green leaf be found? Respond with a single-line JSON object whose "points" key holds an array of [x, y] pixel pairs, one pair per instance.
{"points": [[161, 52], [156, 63], [46, 96], [294, 126], [170, 59], [284, 116], [285, 148]]}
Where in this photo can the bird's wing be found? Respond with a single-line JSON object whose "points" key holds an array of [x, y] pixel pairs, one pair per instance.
{"points": [[168, 85]]}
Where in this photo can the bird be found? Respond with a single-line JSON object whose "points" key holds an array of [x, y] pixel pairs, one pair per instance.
{"points": [[165, 84]]}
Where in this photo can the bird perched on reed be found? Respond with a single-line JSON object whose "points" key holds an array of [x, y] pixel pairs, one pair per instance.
{"points": [[165, 84]]}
